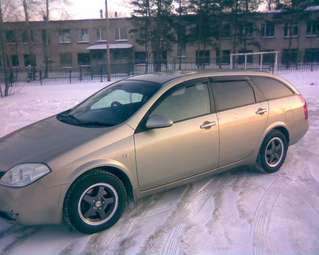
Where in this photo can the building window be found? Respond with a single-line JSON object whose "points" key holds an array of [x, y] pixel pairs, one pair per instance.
{"points": [[225, 57], [202, 57], [289, 56], [120, 54], [241, 58], [15, 60], [11, 36], [312, 28], [226, 31], [66, 59], [268, 29], [98, 56], [291, 30], [100, 34], [160, 59], [25, 36], [311, 55], [222, 57], [29, 60], [84, 35], [121, 34], [247, 30], [65, 36], [140, 57], [84, 59], [269, 58]]}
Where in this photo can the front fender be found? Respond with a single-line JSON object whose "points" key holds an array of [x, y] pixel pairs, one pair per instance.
{"points": [[101, 164]]}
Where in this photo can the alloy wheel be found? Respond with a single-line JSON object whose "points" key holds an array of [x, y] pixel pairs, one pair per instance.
{"points": [[97, 204], [274, 152]]}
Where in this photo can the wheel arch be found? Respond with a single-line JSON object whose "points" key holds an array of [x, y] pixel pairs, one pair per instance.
{"points": [[280, 126], [118, 172], [112, 168], [283, 130]]}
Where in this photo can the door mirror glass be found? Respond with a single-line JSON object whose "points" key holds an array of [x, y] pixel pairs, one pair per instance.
{"points": [[158, 121]]}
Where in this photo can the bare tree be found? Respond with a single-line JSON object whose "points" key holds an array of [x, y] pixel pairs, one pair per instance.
{"points": [[26, 7], [9, 12], [46, 18], [3, 56], [48, 6]]}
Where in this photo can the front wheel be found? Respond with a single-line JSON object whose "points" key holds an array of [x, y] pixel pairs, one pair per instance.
{"points": [[273, 152], [95, 202]]}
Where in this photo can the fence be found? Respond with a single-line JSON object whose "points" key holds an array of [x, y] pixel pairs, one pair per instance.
{"points": [[99, 72]]}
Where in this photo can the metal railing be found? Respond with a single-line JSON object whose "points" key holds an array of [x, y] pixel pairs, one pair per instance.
{"points": [[98, 72]]}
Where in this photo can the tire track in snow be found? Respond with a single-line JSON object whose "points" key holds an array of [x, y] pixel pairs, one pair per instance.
{"points": [[119, 238], [261, 218], [9, 230], [21, 235], [170, 245]]}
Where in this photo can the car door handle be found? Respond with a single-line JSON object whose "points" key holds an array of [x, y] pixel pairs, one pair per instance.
{"points": [[261, 111], [208, 124]]}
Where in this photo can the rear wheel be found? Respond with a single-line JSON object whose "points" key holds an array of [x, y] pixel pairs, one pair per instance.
{"points": [[273, 152], [95, 202]]}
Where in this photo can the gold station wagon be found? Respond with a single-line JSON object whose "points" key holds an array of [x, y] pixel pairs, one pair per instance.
{"points": [[142, 135]]}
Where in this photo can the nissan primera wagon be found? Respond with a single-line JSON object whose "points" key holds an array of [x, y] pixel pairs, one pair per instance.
{"points": [[141, 135]]}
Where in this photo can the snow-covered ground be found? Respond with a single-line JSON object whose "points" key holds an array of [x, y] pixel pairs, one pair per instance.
{"points": [[235, 213]]}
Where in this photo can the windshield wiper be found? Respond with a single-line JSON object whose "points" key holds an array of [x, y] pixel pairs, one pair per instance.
{"points": [[69, 118], [95, 123]]}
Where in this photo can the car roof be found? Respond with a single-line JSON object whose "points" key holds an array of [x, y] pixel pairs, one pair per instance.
{"points": [[166, 77], [160, 77]]}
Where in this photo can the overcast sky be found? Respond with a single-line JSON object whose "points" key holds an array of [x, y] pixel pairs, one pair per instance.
{"points": [[83, 9], [89, 9]]}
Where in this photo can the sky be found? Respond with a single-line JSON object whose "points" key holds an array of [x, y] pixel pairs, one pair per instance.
{"points": [[83, 9], [90, 9]]}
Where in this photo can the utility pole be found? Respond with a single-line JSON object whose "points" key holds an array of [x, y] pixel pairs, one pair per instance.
{"points": [[108, 53], [46, 40]]}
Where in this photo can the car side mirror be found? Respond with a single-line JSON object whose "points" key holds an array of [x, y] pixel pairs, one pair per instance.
{"points": [[158, 121]]}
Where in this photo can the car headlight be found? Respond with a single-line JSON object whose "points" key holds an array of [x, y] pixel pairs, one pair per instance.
{"points": [[24, 174]]}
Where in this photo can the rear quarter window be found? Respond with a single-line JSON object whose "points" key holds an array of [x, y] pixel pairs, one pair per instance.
{"points": [[271, 88], [231, 94]]}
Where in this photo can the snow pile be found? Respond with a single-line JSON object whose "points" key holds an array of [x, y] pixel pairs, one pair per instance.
{"points": [[235, 213]]}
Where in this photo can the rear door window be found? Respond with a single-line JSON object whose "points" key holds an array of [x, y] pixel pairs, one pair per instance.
{"points": [[271, 88], [230, 94]]}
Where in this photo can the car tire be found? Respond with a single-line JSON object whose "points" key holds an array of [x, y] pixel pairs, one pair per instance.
{"points": [[272, 153], [95, 202]]}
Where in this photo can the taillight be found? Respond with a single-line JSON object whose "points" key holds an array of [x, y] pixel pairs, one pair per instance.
{"points": [[305, 107]]}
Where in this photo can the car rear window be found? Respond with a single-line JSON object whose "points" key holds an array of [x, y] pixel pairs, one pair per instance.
{"points": [[232, 93], [271, 88]]}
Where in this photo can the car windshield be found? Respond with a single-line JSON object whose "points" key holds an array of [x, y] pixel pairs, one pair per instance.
{"points": [[112, 105]]}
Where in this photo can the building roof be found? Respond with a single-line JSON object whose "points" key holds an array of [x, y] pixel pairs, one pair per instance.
{"points": [[102, 46]]}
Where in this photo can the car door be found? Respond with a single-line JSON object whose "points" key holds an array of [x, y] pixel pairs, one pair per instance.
{"points": [[188, 147], [242, 119]]}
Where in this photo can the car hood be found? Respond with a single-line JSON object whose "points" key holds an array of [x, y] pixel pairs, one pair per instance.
{"points": [[43, 141]]}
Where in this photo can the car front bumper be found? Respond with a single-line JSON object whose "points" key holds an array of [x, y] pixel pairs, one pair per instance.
{"points": [[32, 205]]}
